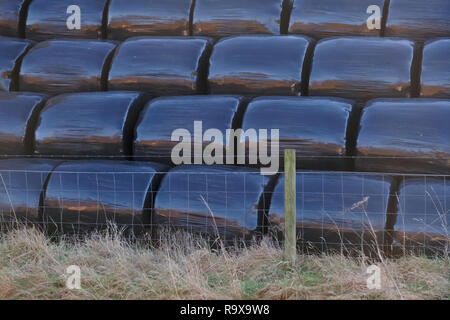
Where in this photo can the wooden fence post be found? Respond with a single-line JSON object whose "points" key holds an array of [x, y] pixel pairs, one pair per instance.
{"points": [[290, 237]]}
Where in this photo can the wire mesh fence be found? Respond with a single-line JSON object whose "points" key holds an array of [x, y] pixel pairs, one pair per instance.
{"points": [[336, 211]]}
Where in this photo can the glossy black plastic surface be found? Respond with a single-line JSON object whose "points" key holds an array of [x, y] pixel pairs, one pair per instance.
{"points": [[315, 127], [418, 20], [161, 65], [435, 77], [83, 196], [216, 18], [47, 19], [217, 200], [88, 124], [362, 68], [18, 116], [12, 51], [328, 18], [405, 135], [422, 223], [60, 66], [258, 65], [336, 211], [154, 128], [11, 13], [22, 183], [128, 18]]}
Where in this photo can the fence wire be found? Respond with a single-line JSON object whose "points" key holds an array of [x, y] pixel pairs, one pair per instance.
{"points": [[336, 211]]}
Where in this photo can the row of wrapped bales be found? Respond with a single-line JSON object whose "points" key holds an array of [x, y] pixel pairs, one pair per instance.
{"points": [[393, 135], [359, 68], [336, 211], [121, 19]]}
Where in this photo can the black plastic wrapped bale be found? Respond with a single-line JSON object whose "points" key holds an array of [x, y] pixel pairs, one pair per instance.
{"points": [[435, 77], [422, 222], [336, 211], [328, 18], [18, 116], [22, 183], [60, 66], [128, 18], [89, 124], [216, 18], [362, 68], [418, 19], [316, 128], [12, 16], [218, 201], [405, 135], [50, 19], [11, 54], [154, 128], [258, 65], [84, 196], [161, 65]]}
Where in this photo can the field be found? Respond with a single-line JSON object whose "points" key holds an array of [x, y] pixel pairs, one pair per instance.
{"points": [[182, 267]]}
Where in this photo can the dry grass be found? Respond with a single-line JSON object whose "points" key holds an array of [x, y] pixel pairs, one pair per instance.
{"points": [[33, 267]]}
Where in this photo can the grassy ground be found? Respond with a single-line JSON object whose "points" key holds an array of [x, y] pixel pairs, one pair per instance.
{"points": [[32, 267]]}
